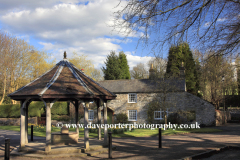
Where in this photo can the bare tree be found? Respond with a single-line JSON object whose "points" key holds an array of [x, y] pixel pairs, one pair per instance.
{"points": [[217, 77], [207, 23], [139, 71], [159, 65], [18, 64]]}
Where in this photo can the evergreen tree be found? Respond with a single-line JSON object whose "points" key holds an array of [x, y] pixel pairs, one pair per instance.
{"points": [[177, 55], [112, 70], [237, 62], [174, 61], [197, 73], [123, 65]]}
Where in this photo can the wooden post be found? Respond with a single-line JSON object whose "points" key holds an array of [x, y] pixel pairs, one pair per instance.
{"points": [[105, 122], [159, 138], [7, 149], [31, 132], [48, 128], [77, 116], [99, 119], [22, 127], [26, 124], [86, 134], [110, 145]]}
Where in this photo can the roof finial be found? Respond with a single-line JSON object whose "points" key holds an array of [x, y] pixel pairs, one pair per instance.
{"points": [[182, 64], [65, 55]]}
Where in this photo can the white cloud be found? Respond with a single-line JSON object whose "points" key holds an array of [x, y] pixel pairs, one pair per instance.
{"points": [[68, 25], [134, 60], [64, 20]]}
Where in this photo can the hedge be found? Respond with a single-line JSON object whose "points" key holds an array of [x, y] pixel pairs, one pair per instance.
{"points": [[59, 108], [35, 109]]}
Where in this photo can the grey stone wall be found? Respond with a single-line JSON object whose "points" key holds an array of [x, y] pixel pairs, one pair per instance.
{"points": [[16, 121], [205, 112]]}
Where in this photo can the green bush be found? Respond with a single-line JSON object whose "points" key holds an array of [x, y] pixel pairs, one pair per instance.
{"points": [[15, 111], [174, 118], [10, 111], [59, 108], [35, 109], [153, 106], [121, 118]]}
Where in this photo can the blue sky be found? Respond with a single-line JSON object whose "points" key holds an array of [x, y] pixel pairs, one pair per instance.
{"points": [[70, 25]]}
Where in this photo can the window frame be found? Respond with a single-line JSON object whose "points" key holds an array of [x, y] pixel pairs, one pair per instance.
{"points": [[130, 98], [129, 115], [161, 115], [89, 115]]}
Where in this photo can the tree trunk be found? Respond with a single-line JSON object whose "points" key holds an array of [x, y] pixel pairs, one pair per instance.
{"points": [[165, 117], [4, 86]]}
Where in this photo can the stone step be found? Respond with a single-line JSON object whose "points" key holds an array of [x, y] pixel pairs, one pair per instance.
{"points": [[99, 151], [92, 148], [61, 152], [67, 150], [42, 156]]}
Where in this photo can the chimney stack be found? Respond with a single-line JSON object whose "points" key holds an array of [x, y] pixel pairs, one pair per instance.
{"points": [[151, 72]]}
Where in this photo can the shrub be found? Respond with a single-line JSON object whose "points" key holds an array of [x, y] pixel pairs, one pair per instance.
{"points": [[175, 118], [59, 108], [35, 109], [10, 111], [153, 106], [121, 118]]}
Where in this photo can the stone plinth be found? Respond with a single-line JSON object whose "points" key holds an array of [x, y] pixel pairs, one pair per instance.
{"points": [[64, 138], [64, 130]]}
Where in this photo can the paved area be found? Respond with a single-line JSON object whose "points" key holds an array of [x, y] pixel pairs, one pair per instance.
{"points": [[229, 155], [174, 147]]}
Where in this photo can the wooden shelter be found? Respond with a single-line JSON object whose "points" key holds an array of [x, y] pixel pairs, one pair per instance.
{"points": [[64, 82]]}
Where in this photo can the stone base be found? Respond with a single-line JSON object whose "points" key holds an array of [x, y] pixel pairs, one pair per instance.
{"points": [[64, 138]]}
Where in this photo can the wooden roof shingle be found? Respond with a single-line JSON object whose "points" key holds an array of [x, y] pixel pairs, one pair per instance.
{"points": [[64, 80]]}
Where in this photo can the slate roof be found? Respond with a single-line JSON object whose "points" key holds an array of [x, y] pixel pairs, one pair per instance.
{"points": [[64, 80], [143, 85]]}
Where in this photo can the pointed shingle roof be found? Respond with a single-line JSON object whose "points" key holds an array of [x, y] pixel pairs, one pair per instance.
{"points": [[65, 81]]}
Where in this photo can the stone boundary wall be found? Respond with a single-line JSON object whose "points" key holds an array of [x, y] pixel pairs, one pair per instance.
{"points": [[222, 117], [235, 111], [15, 121]]}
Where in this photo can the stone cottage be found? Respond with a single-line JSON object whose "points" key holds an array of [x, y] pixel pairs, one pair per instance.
{"points": [[134, 96]]}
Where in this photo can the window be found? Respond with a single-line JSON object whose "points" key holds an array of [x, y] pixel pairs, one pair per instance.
{"points": [[132, 115], [132, 98], [90, 115], [159, 114]]}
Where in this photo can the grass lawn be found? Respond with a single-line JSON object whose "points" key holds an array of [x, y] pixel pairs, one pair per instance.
{"points": [[41, 131]]}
